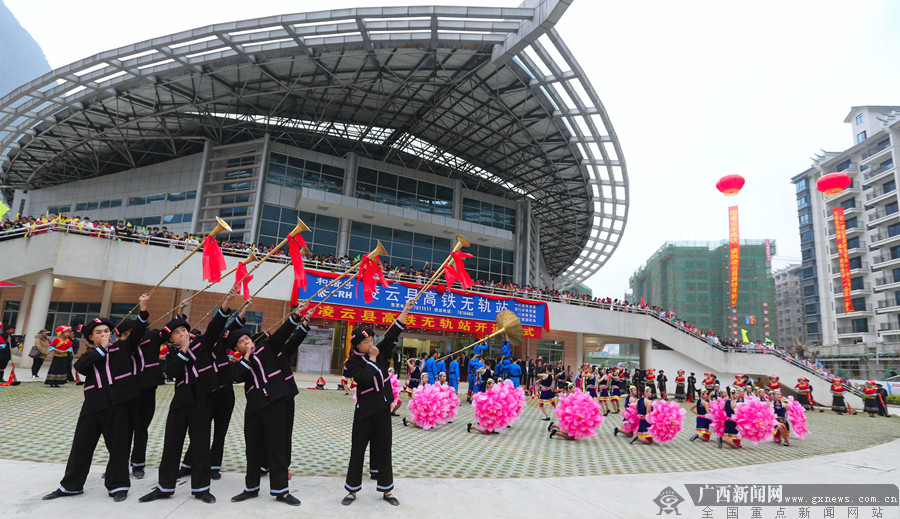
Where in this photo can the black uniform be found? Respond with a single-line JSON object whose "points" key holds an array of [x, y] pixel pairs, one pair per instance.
{"points": [[372, 417], [110, 390], [221, 401], [149, 376], [270, 392], [189, 411]]}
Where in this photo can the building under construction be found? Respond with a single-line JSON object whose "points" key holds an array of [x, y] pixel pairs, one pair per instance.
{"points": [[692, 280]]}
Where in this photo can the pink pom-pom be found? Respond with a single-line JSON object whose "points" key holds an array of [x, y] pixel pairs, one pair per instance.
{"points": [[665, 420], [427, 406], [495, 408], [717, 417], [579, 415], [630, 417], [797, 416], [395, 387], [755, 420], [449, 404]]}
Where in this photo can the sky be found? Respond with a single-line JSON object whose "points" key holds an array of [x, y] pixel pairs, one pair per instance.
{"points": [[695, 90]]}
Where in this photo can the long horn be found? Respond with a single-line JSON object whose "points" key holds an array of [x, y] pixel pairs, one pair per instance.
{"points": [[249, 259], [461, 242], [220, 226], [508, 323], [300, 227], [303, 252], [378, 251]]}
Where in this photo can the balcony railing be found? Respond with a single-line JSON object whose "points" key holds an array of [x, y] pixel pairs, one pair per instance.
{"points": [[857, 308], [884, 235], [887, 303], [843, 330], [860, 245], [881, 213], [886, 280], [875, 149], [864, 286], [882, 258], [883, 327], [879, 192]]}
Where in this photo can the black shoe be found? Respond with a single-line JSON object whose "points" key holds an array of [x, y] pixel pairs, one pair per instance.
{"points": [[404, 421], [79, 383], [347, 501], [120, 496], [553, 433], [138, 472], [390, 499], [606, 413], [720, 441], [616, 431], [550, 427], [468, 428], [183, 471], [545, 419], [206, 497], [694, 437], [58, 493], [153, 496], [633, 440], [215, 474], [245, 495], [288, 499]]}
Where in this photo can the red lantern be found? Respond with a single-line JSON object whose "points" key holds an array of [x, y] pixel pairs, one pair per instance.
{"points": [[833, 183], [729, 185], [441, 288]]}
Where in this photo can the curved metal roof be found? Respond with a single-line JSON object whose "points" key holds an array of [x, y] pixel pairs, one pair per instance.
{"points": [[488, 95]]}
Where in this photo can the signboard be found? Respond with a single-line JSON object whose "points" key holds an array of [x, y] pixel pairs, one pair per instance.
{"points": [[452, 310], [840, 227], [734, 249], [314, 354]]}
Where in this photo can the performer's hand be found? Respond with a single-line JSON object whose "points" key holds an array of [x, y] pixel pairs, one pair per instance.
{"points": [[406, 308], [228, 297], [144, 301], [184, 303], [245, 306], [301, 307], [373, 353], [104, 339]]}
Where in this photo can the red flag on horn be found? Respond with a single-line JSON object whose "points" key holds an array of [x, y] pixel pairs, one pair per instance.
{"points": [[213, 260], [242, 280], [295, 243], [456, 270], [370, 274]]}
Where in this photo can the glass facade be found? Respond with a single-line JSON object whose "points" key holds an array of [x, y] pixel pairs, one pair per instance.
{"points": [[551, 351], [277, 222], [11, 312], [486, 213], [64, 312], [388, 188], [297, 173]]}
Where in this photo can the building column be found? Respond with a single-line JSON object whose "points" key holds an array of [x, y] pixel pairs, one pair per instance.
{"points": [[646, 349], [350, 175], [260, 189], [201, 185], [457, 199], [26, 303], [579, 349], [106, 302], [343, 243], [37, 314]]}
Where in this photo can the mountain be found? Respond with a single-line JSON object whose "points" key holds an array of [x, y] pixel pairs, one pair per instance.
{"points": [[21, 58]]}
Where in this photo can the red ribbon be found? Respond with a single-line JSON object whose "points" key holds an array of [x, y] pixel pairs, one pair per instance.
{"points": [[370, 273], [242, 279], [295, 243], [456, 270], [213, 260]]}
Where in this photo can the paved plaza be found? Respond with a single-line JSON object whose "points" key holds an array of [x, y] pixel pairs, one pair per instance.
{"points": [[38, 423]]}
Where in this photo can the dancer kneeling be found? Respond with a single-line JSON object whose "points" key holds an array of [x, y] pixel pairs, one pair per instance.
{"points": [[579, 416], [644, 407], [432, 404], [630, 420]]}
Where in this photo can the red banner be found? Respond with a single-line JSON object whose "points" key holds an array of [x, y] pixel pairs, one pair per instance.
{"points": [[840, 228], [768, 252], [428, 322], [734, 248]]}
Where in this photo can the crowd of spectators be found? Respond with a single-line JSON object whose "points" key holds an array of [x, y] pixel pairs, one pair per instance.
{"points": [[161, 236]]}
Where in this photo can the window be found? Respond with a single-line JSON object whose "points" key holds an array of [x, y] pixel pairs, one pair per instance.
{"points": [[890, 208], [808, 254], [277, 222], [857, 284], [843, 166], [388, 188], [851, 223], [859, 304], [888, 186], [811, 290], [56, 209], [66, 312], [859, 119], [803, 201], [860, 325], [849, 203], [812, 328], [181, 195], [298, 173], [861, 136], [489, 214], [149, 199], [805, 219], [802, 185], [812, 309], [550, 351], [893, 230], [806, 237], [11, 312], [855, 263], [853, 243]]}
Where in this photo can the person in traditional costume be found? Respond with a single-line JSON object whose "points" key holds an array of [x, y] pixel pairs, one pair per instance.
{"points": [[644, 408], [679, 386], [61, 350], [871, 399], [837, 397], [701, 407], [731, 437], [782, 427], [804, 393]]}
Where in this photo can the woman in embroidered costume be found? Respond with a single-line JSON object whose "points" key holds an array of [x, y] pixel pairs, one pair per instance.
{"points": [[701, 407], [644, 407], [679, 386], [782, 427]]}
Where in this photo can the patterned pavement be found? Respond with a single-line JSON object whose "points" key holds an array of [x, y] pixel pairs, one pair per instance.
{"points": [[38, 423]]}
